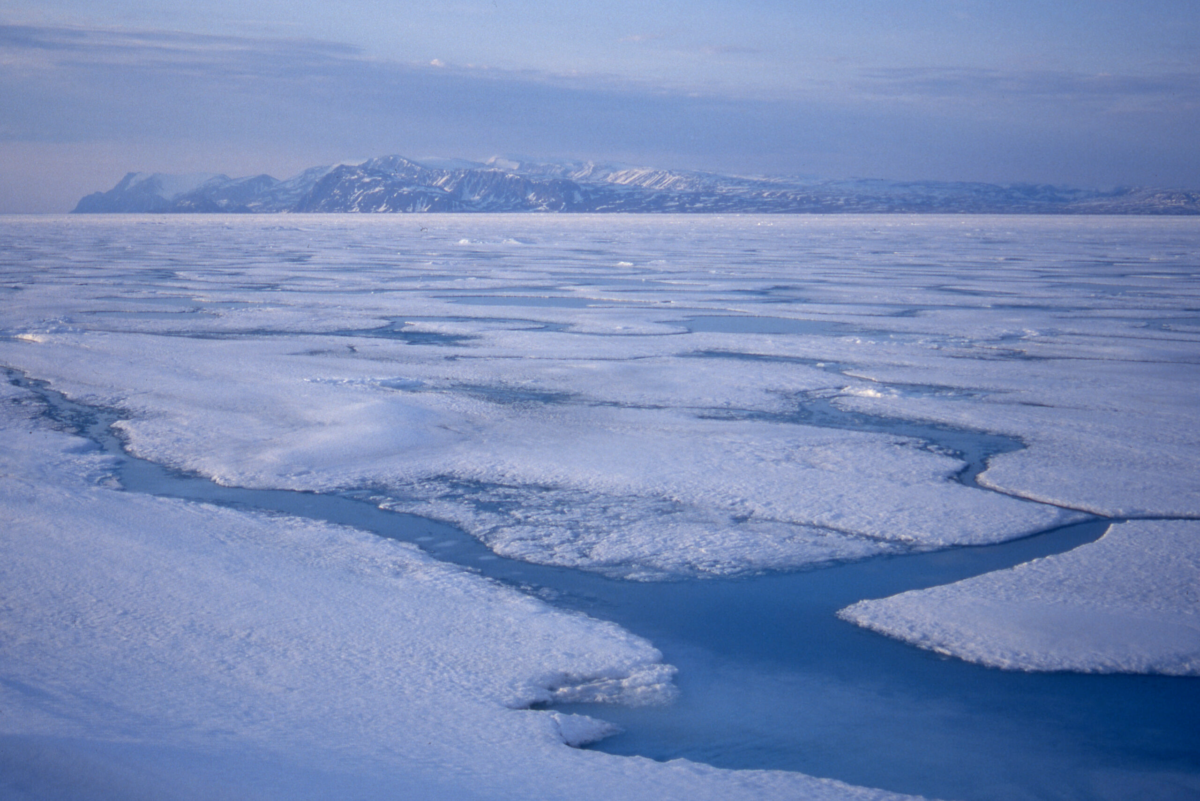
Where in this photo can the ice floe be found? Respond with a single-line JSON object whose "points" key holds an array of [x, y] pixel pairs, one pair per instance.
{"points": [[1127, 603]]}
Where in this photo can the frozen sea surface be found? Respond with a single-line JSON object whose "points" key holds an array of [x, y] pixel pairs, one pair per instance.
{"points": [[168, 649], [649, 398], [770, 678], [614, 433], [1129, 603]]}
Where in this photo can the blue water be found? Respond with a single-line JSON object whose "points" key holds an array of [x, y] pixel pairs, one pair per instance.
{"points": [[770, 678]]}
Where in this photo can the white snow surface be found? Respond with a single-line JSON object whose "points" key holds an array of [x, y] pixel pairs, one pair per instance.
{"points": [[1127, 603], [544, 393], [153, 648], [535, 380]]}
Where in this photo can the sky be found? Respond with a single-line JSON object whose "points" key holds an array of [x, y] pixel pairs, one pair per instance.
{"points": [[1096, 93]]}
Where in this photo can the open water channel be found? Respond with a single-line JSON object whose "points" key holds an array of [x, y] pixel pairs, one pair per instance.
{"points": [[770, 678]]}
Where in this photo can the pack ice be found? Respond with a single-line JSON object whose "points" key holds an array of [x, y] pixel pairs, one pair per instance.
{"points": [[648, 397], [155, 648]]}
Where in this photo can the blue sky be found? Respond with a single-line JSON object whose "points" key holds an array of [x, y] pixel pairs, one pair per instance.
{"points": [[1096, 93]]}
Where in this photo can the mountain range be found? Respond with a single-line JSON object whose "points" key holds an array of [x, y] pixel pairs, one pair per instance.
{"points": [[393, 184]]}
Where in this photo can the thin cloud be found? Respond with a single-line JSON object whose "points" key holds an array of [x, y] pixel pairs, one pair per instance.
{"points": [[1175, 90], [165, 52], [729, 50], [639, 38], [76, 47], [101, 84]]}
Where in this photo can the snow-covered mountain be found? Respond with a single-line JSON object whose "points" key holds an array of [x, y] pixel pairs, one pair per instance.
{"points": [[393, 184]]}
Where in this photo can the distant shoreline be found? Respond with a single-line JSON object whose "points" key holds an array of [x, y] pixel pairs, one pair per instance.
{"points": [[396, 185]]}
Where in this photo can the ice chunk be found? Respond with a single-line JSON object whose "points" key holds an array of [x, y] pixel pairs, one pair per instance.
{"points": [[579, 730]]}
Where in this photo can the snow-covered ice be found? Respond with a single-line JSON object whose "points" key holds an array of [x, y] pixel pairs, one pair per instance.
{"points": [[595, 433], [155, 648], [1127, 603], [622, 395]]}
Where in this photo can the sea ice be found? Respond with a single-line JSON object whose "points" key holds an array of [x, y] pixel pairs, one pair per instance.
{"points": [[162, 648], [156, 648], [1112, 436], [625, 486], [547, 388], [1127, 603]]}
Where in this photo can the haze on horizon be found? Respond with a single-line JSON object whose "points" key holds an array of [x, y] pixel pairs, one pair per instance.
{"points": [[1095, 94]]}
